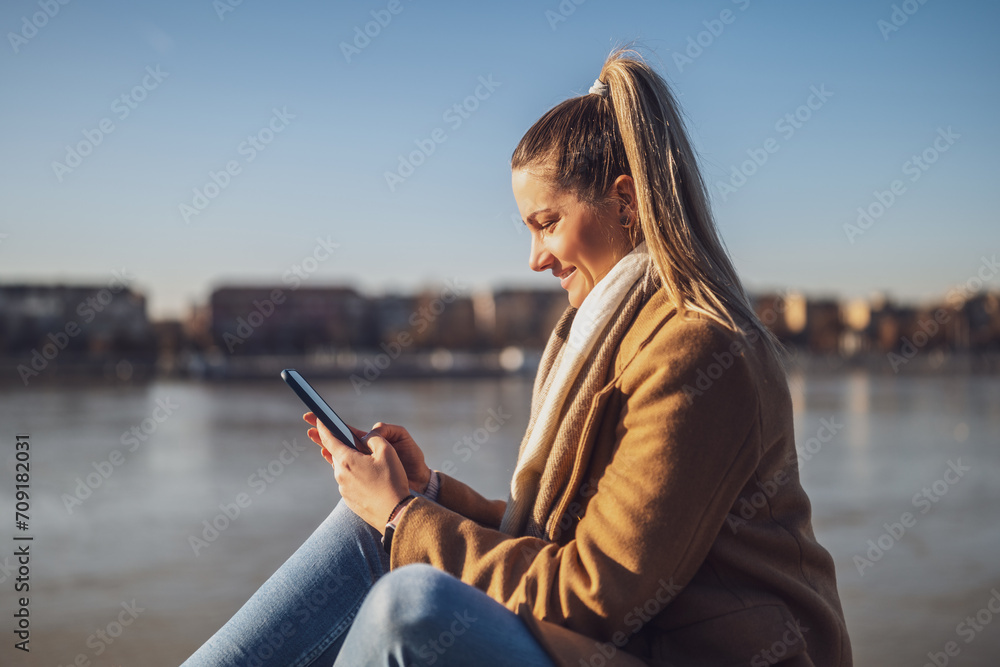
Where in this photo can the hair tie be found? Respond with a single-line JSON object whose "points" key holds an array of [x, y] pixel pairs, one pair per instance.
{"points": [[599, 88]]}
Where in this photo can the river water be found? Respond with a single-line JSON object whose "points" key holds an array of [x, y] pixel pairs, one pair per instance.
{"points": [[115, 529]]}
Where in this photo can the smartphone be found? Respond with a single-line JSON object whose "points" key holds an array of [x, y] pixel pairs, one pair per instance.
{"points": [[323, 412]]}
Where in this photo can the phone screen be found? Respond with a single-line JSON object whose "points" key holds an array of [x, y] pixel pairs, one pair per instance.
{"points": [[319, 407]]}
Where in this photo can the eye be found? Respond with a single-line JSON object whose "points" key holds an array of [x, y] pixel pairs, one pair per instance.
{"points": [[548, 226]]}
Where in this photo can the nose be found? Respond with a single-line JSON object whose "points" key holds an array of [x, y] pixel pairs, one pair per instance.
{"points": [[540, 258]]}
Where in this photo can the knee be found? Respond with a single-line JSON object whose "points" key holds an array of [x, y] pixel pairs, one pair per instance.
{"points": [[410, 603]]}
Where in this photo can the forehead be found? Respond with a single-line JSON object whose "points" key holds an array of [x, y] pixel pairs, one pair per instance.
{"points": [[534, 192]]}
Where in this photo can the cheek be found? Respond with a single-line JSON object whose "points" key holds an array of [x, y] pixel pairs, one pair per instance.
{"points": [[591, 249]]}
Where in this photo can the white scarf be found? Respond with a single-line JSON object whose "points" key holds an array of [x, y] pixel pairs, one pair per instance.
{"points": [[589, 322]]}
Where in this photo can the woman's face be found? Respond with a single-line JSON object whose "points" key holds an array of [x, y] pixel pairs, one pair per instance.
{"points": [[576, 242]]}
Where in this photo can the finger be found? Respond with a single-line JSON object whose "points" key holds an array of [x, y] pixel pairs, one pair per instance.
{"points": [[327, 456], [381, 448], [389, 431], [377, 443], [313, 420], [336, 448], [362, 437]]}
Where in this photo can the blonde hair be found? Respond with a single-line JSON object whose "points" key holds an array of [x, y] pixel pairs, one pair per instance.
{"points": [[583, 144]]}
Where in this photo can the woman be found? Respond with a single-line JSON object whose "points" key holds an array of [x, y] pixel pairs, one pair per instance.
{"points": [[655, 515]]}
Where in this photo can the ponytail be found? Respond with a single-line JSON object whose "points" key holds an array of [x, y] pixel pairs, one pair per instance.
{"points": [[585, 143]]}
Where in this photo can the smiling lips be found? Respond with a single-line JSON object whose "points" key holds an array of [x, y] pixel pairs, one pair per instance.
{"points": [[566, 276]]}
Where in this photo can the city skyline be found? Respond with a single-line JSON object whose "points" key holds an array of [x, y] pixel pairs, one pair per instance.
{"points": [[847, 148], [984, 279], [255, 331]]}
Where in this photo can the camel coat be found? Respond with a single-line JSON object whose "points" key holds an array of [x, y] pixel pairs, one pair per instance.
{"points": [[681, 535]]}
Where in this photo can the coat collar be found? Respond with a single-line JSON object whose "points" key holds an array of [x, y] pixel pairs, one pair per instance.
{"points": [[650, 318]]}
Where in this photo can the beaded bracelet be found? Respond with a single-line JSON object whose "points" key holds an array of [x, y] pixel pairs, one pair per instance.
{"points": [[399, 506]]}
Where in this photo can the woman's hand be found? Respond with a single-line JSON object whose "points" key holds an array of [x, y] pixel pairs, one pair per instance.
{"points": [[417, 473], [410, 455], [371, 484]]}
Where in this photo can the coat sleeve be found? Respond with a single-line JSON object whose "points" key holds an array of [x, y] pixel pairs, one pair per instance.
{"points": [[463, 499], [687, 442]]}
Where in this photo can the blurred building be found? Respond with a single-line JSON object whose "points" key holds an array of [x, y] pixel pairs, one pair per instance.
{"points": [[93, 328], [879, 326], [390, 316], [523, 317], [272, 320], [429, 320], [978, 326], [771, 310], [67, 329], [814, 324], [902, 328], [444, 319], [856, 329]]}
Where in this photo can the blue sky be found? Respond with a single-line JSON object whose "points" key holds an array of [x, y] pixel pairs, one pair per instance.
{"points": [[345, 120]]}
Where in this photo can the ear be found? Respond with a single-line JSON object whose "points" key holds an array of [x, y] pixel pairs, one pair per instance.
{"points": [[624, 189]]}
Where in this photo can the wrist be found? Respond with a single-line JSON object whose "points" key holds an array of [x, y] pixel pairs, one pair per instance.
{"points": [[424, 482], [433, 486], [398, 508], [402, 510], [394, 517]]}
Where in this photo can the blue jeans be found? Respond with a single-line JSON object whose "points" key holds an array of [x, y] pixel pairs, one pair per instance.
{"points": [[334, 601]]}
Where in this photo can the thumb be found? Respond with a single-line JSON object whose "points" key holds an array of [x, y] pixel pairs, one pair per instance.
{"points": [[383, 450], [377, 444]]}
